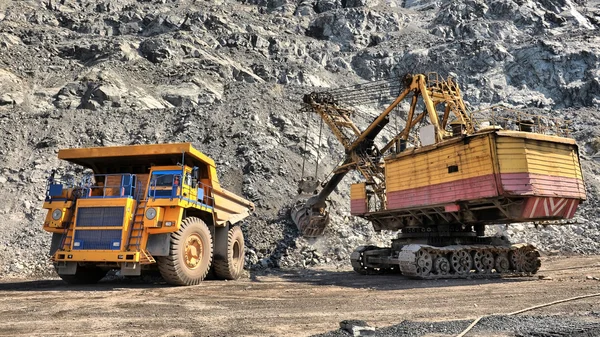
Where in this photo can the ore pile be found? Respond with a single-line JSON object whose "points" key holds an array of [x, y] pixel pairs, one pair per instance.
{"points": [[521, 326]]}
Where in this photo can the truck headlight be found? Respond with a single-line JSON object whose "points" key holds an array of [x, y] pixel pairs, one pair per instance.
{"points": [[150, 213], [56, 214]]}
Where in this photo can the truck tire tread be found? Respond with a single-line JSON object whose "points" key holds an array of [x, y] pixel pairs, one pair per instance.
{"points": [[173, 268], [231, 267]]}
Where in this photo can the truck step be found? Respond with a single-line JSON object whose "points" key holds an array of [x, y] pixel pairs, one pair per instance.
{"points": [[146, 257]]}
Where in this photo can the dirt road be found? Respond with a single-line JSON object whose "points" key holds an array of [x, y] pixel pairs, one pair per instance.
{"points": [[298, 303]]}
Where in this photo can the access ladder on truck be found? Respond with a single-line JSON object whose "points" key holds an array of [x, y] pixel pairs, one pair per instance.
{"points": [[136, 229]]}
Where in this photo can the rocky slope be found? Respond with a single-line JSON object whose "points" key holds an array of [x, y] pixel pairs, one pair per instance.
{"points": [[229, 77]]}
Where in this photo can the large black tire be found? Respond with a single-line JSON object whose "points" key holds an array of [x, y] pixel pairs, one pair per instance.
{"points": [[232, 267], [85, 275], [190, 254]]}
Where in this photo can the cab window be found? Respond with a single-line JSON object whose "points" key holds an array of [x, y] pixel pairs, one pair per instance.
{"points": [[164, 179]]}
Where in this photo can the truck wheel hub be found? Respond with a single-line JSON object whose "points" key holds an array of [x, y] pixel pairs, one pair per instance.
{"points": [[193, 251]]}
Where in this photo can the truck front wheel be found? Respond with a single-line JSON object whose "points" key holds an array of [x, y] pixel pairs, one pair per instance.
{"points": [[231, 266], [190, 254]]}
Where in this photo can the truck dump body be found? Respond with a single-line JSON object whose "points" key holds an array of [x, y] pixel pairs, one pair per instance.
{"points": [[140, 158], [103, 159]]}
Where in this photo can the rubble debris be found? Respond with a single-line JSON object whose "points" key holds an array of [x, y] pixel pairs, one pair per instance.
{"points": [[357, 328]]}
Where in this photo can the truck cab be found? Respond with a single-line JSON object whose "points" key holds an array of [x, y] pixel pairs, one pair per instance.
{"points": [[144, 207]]}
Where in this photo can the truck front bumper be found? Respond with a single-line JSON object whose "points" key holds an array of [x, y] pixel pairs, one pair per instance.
{"points": [[98, 256]]}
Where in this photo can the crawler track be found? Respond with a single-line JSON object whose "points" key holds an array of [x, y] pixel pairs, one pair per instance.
{"points": [[427, 262], [468, 261]]}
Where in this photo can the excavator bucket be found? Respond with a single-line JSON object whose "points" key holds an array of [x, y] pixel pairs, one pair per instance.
{"points": [[310, 221]]}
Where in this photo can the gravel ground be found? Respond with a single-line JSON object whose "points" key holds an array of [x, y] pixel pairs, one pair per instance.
{"points": [[303, 302], [518, 326]]}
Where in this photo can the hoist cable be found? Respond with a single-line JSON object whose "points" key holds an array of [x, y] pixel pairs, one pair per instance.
{"points": [[319, 149], [305, 147]]}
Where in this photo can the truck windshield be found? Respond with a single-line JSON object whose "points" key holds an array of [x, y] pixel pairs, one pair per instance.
{"points": [[164, 180], [168, 178]]}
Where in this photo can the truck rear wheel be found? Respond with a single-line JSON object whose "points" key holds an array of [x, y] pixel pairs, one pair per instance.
{"points": [[231, 267], [85, 275], [190, 254]]}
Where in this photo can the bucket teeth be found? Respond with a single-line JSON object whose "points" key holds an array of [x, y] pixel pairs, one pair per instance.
{"points": [[310, 222]]}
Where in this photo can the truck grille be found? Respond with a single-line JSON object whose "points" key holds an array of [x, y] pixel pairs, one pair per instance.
{"points": [[100, 216], [97, 239]]}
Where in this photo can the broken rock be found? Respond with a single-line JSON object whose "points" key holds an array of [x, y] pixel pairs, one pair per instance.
{"points": [[357, 327]]}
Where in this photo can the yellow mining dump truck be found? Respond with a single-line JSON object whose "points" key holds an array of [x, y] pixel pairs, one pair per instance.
{"points": [[144, 207]]}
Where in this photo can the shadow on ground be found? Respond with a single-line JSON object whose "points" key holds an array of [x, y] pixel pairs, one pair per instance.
{"points": [[351, 279], [106, 284]]}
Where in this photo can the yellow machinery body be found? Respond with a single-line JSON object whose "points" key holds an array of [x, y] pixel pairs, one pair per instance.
{"points": [[122, 215], [492, 176], [511, 167]]}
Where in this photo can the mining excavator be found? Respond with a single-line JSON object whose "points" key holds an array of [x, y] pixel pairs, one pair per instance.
{"points": [[443, 178]]}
